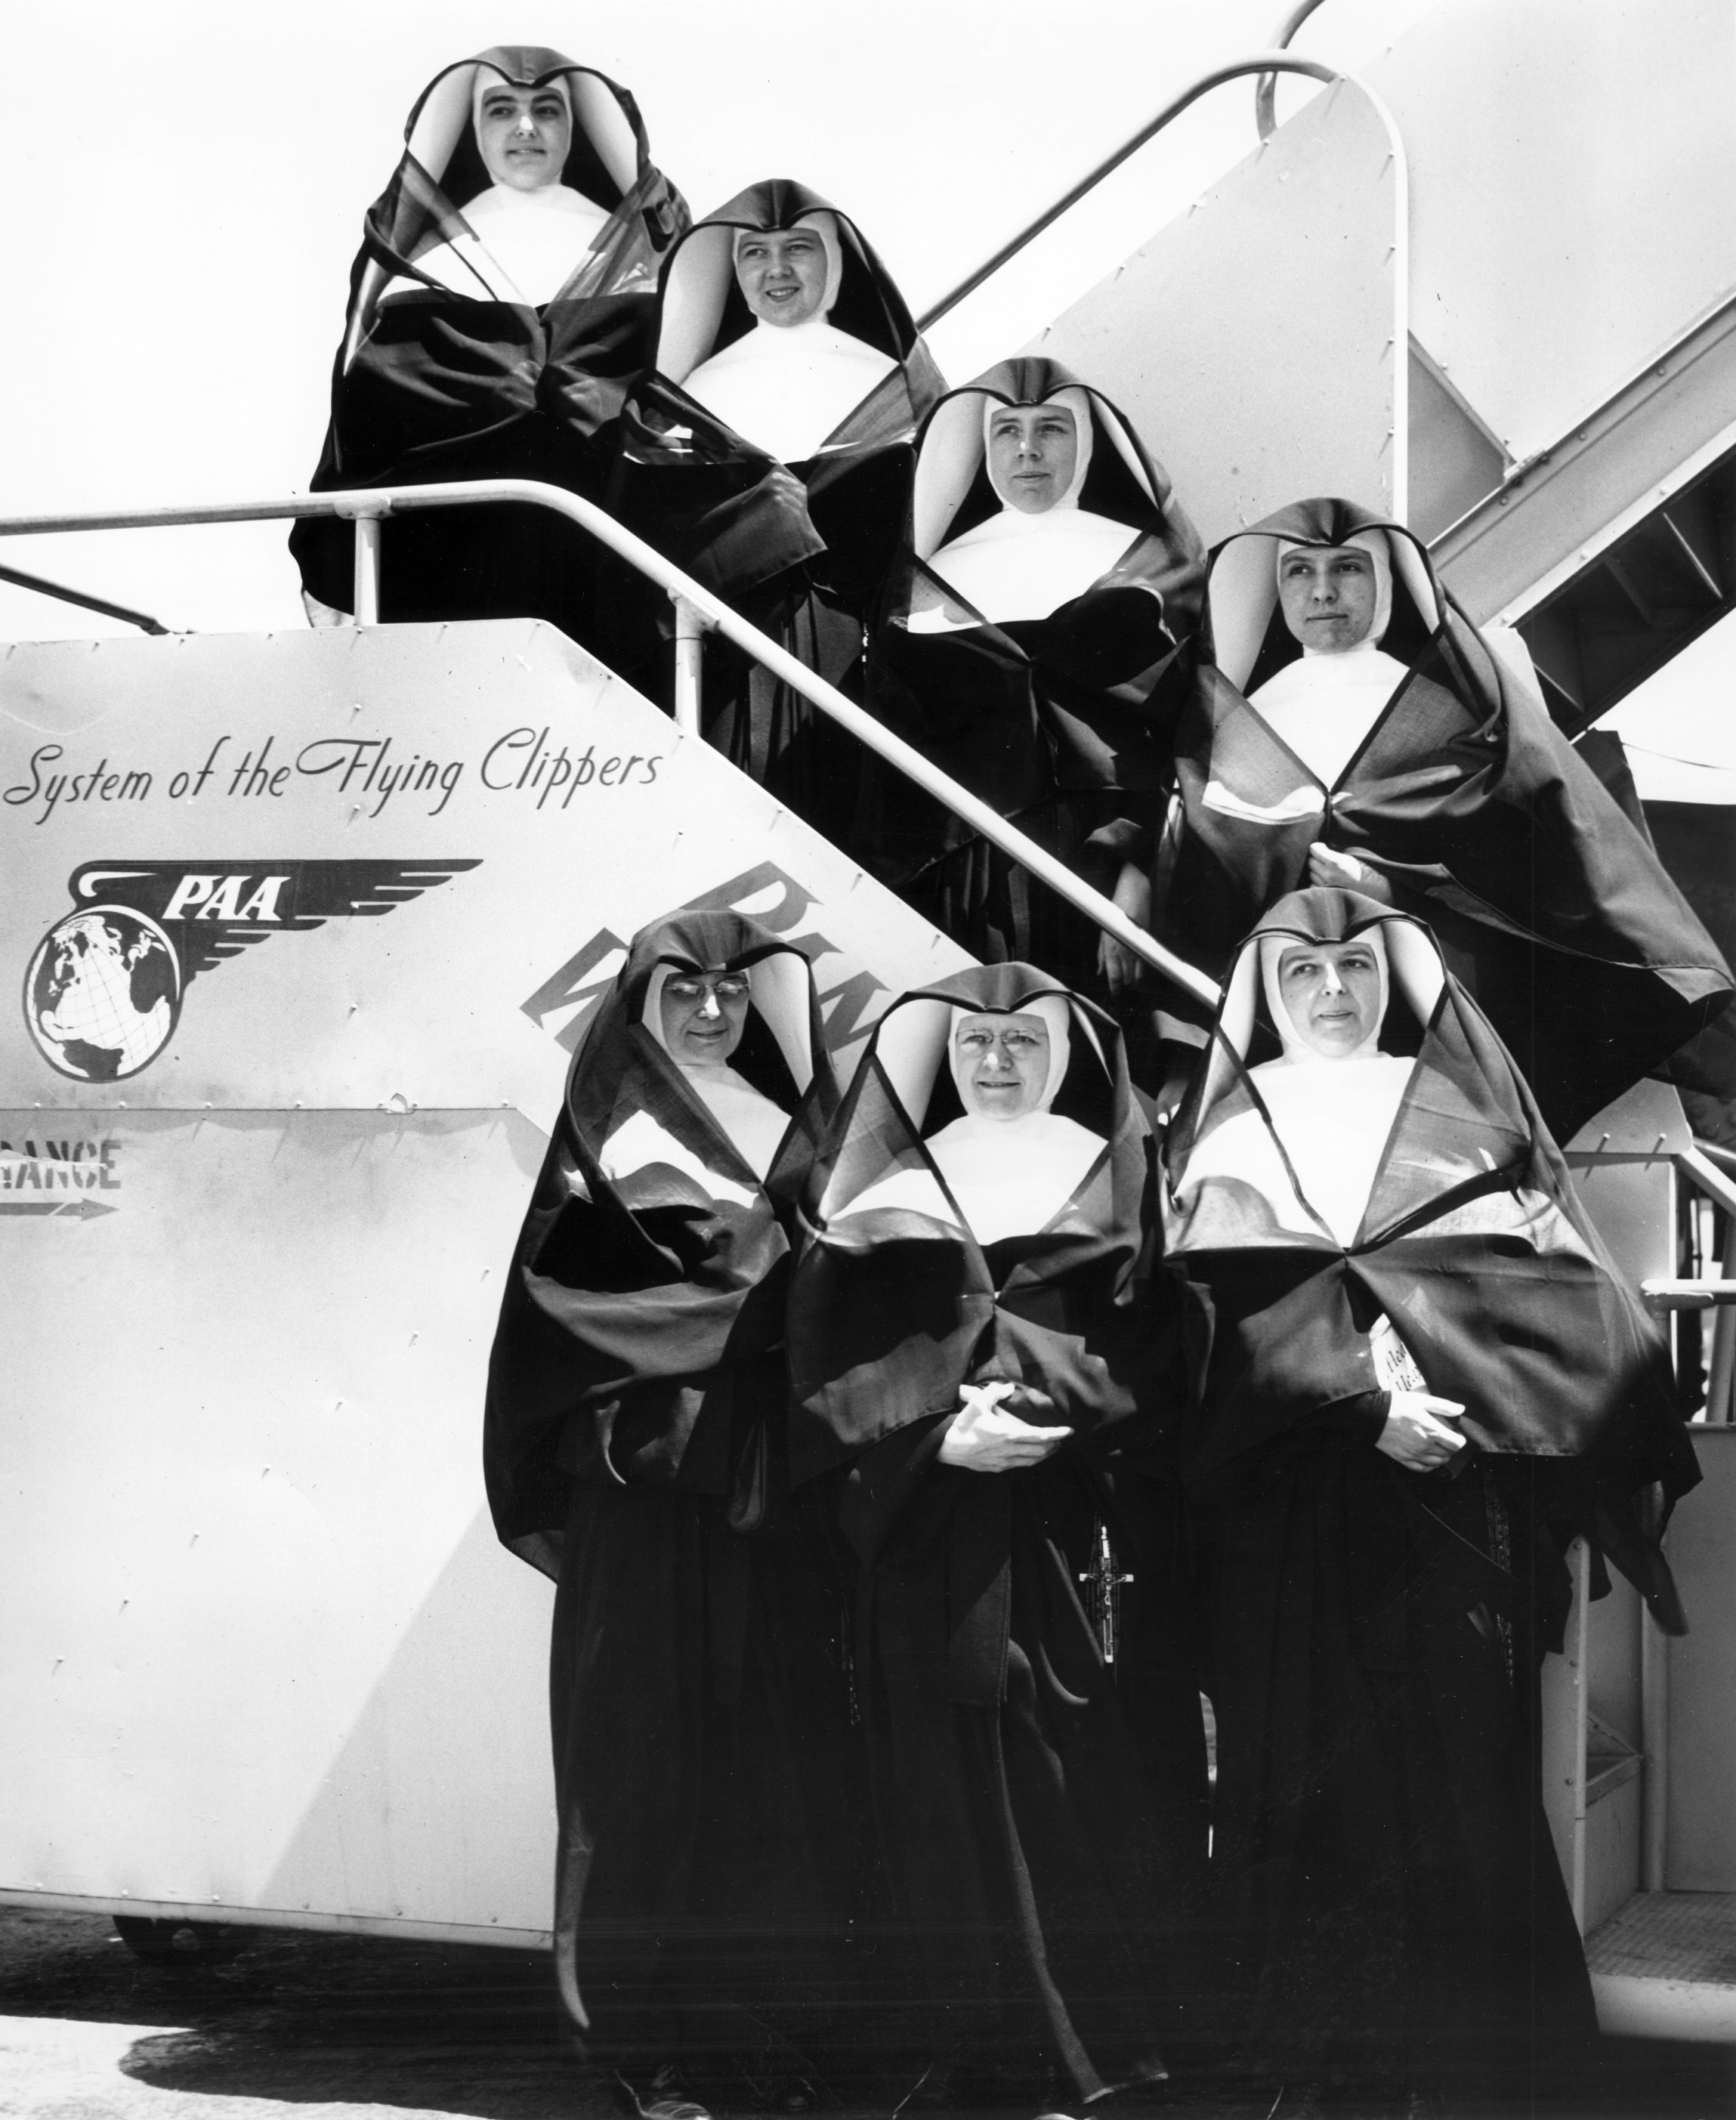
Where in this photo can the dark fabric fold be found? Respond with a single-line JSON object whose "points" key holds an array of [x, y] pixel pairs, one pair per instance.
{"points": [[1387, 1907], [1549, 906], [430, 386], [1040, 1837], [1061, 723], [707, 1780], [798, 549]]}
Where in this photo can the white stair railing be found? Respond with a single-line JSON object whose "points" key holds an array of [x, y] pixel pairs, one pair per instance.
{"points": [[696, 610]]}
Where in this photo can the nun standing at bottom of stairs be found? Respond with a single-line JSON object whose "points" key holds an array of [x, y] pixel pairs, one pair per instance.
{"points": [[704, 1764], [1425, 1378]]}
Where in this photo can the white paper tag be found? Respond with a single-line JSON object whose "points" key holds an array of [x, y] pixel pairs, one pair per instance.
{"points": [[1394, 1366]]}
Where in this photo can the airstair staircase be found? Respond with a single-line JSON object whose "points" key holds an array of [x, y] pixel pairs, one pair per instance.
{"points": [[377, 877]]}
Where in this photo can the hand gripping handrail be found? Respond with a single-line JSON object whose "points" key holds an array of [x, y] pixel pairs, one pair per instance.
{"points": [[695, 607]]}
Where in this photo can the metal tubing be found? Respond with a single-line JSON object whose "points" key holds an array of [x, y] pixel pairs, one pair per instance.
{"points": [[1725, 1158], [384, 499], [1721, 1373], [1661, 1294], [142, 620], [1654, 1741], [689, 665], [366, 601], [1267, 61], [1265, 89], [1708, 1177]]}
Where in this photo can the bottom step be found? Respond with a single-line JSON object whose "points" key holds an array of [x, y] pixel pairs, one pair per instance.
{"points": [[1665, 1966]]}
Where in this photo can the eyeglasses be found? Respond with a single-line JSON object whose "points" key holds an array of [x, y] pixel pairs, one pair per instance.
{"points": [[1012, 1040], [727, 986]]}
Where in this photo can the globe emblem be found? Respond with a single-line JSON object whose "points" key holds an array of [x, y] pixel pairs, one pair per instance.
{"points": [[102, 994]]}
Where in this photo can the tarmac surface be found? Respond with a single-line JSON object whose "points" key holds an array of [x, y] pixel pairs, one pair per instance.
{"points": [[322, 2027]]}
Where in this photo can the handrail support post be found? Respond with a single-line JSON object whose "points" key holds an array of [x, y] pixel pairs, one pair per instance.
{"points": [[709, 612], [367, 597], [691, 627]]}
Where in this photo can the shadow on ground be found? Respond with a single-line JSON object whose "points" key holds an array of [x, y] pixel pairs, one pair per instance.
{"points": [[301, 2019], [310, 2019]]}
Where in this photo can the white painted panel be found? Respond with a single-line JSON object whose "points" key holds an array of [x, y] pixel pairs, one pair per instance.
{"points": [[1572, 167], [1700, 1852], [1252, 341], [261, 1645], [1678, 728], [575, 811], [262, 1650]]}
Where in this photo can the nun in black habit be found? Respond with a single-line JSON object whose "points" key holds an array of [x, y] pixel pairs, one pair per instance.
{"points": [[635, 1449], [1033, 640], [1425, 1378], [971, 1335], [1395, 752], [498, 308], [768, 452]]}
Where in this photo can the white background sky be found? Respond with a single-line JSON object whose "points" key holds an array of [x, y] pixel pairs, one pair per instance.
{"points": [[185, 181]]}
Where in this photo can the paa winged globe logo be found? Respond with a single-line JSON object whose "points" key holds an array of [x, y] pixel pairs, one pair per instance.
{"points": [[103, 994], [103, 991]]}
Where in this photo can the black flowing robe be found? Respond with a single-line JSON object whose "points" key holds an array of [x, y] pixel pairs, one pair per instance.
{"points": [[1064, 724], [798, 549], [1548, 905], [1387, 1894], [433, 386], [635, 1447], [1037, 1845]]}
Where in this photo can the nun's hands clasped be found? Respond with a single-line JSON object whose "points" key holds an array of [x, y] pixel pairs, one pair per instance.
{"points": [[986, 1437], [1417, 1434]]}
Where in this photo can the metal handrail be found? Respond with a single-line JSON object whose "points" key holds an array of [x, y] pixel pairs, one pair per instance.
{"points": [[82, 597], [1267, 62], [1706, 1165], [696, 606], [1265, 89]]}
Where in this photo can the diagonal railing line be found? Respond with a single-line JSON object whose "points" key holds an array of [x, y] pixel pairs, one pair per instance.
{"points": [[1264, 63], [371, 504], [83, 599]]}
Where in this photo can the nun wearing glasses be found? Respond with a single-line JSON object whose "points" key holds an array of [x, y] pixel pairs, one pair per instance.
{"points": [[636, 1450]]}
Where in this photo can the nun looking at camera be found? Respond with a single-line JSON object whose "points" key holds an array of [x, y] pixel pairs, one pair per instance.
{"points": [[498, 308], [1034, 642], [971, 1337], [1425, 1378], [768, 452], [1354, 730], [636, 1450]]}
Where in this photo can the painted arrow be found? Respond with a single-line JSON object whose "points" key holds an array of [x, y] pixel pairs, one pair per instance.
{"points": [[83, 1208]]}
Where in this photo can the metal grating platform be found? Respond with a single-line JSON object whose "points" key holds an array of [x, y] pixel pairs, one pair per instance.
{"points": [[1665, 1966]]}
